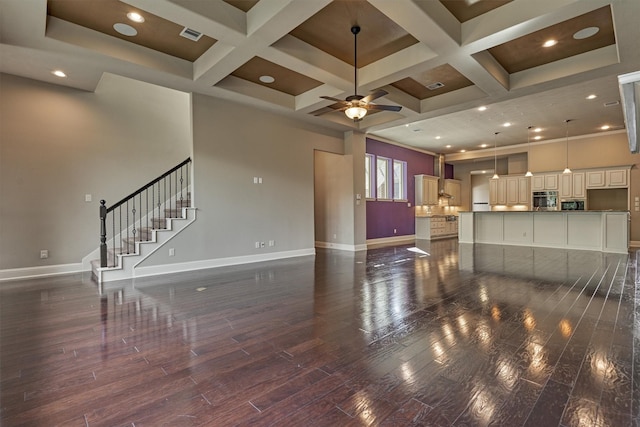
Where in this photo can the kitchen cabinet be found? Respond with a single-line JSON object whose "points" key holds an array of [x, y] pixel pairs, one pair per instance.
{"points": [[426, 190], [608, 178], [436, 227], [616, 178], [595, 179], [572, 185], [498, 191], [452, 187], [544, 182], [524, 191], [510, 191]]}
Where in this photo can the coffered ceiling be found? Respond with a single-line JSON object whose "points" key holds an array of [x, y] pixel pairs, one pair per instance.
{"points": [[438, 59]]}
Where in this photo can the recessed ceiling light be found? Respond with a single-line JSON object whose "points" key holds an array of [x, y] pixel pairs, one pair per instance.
{"points": [[267, 79], [463, 151], [59, 73], [125, 29], [438, 137], [537, 130], [585, 33], [483, 108], [484, 171], [447, 146], [605, 127], [507, 124], [537, 137], [135, 17], [484, 145], [550, 43], [592, 96]]}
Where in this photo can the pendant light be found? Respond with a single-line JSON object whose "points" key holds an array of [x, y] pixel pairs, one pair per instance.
{"points": [[528, 151], [566, 169], [495, 156]]}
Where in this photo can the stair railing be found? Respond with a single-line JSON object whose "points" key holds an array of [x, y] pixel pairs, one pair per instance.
{"points": [[140, 212]]}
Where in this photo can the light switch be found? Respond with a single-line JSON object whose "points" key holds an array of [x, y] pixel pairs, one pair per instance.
{"points": [[87, 197]]}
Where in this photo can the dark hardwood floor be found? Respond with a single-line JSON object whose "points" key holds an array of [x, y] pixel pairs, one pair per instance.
{"points": [[441, 335]]}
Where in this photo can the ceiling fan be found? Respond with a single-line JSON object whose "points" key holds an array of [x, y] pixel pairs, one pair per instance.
{"points": [[356, 106]]}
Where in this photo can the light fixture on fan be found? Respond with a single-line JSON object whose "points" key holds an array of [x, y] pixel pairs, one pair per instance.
{"points": [[566, 169], [528, 151], [495, 156], [356, 106], [355, 112]]}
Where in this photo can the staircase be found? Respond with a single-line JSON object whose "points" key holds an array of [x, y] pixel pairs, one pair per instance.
{"points": [[141, 223]]}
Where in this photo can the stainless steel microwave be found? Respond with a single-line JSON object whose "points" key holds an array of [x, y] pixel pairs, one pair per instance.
{"points": [[572, 205], [545, 200]]}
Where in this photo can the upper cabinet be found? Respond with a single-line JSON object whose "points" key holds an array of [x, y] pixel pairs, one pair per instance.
{"points": [[608, 178], [572, 185], [426, 190], [510, 191], [544, 182], [452, 187]]}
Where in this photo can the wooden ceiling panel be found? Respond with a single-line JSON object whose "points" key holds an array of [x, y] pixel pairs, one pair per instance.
{"points": [[330, 31], [527, 51], [465, 10], [286, 80], [155, 33], [416, 85]]}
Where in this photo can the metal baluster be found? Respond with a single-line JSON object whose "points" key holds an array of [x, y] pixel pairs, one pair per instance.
{"points": [[127, 241], [103, 234]]}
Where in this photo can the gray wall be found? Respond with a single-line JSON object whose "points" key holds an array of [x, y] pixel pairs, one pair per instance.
{"points": [[58, 144], [232, 144]]}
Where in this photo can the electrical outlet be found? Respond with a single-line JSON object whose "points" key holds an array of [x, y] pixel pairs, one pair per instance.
{"points": [[255, 179], [172, 251], [272, 242], [395, 231], [262, 244], [88, 197], [257, 245], [259, 180], [44, 253]]}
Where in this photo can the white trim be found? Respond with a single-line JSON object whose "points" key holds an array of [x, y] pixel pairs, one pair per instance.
{"points": [[218, 262], [341, 246], [41, 271]]}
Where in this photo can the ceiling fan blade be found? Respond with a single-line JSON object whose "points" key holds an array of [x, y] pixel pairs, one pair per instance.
{"points": [[329, 109], [333, 99], [383, 107], [375, 95]]}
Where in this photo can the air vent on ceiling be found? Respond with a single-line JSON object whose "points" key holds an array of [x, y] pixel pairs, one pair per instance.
{"points": [[434, 86], [611, 104], [190, 34]]}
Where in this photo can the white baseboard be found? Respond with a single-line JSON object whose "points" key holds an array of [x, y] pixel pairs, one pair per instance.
{"points": [[341, 246], [390, 241], [41, 271], [155, 270]]}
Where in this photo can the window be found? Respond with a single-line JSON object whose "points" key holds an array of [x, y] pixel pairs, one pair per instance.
{"points": [[388, 181], [383, 178], [399, 180], [368, 177]]}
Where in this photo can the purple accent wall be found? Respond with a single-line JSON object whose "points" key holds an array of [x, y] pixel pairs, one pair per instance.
{"points": [[448, 171], [383, 217]]}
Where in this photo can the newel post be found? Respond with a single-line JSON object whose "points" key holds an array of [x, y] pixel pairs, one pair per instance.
{"points": [[103, 234]]}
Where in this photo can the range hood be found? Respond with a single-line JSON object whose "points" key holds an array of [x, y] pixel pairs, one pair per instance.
{"points": [[439, 169]]}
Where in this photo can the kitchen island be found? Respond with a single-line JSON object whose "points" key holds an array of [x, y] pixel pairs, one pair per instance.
{"points": [[605, 231]]}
